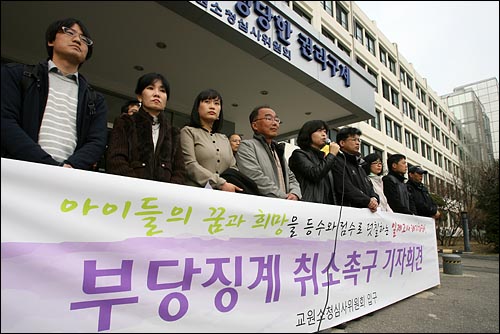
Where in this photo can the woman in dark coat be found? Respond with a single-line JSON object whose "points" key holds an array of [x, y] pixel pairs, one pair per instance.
{"points": [[312, 166], [145, 145]]}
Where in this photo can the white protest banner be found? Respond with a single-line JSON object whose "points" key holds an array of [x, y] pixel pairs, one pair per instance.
{"points": [[91, 252]]}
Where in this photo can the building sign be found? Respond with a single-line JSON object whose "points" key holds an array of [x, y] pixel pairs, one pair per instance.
{"points": [[265, 25]]}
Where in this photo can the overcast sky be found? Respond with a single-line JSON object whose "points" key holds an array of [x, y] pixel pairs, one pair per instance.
{"points": [[449, 43]]}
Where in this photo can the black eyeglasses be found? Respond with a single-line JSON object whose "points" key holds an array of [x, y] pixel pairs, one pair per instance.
{"points": [[269, 119], [73, 33]]}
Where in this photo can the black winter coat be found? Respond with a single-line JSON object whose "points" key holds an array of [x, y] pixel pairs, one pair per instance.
{"points": [[314, 172], [352, 185], [424, 205], [397, 194]]}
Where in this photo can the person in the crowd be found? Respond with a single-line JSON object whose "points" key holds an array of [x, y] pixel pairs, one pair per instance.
{"points": [[130, 107], [312, 168], [235, 141], [263, 160], [394, 187], [352, 185], [373, 167], [49, 112], [424, 204], [145, 145], [207, 152]]}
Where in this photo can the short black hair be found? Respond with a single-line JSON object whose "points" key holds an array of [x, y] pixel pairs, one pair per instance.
{"points": [[255, 112], [128, 104], [149, 79], [207, 94], [55, 27], [394, 159], [309, 127], [347, 132], [368, 161]]}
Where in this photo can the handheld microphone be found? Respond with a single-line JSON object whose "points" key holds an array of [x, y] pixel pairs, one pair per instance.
{"points": [[328, 141]]}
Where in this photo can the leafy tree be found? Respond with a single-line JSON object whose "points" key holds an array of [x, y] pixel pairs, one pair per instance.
{"points": [[488, 201]]}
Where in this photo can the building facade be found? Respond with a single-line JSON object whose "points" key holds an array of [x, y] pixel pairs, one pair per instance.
{"points": [[410, 118], [488, 94]]}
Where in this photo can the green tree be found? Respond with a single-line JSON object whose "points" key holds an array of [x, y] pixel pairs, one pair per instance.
{"points": [[488, 201]]}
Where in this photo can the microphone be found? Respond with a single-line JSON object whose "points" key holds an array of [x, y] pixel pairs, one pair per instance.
{"points": [[328, 141]]}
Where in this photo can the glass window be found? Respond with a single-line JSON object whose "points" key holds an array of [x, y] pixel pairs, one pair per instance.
{"points": [[395, 97], [414, 141], [365, 149], [385, 90], [343, 48], [342, 16], [358, 32], [388, 126], [376, 120], [328, 7], [374, 74], [409, 82], [392, 65], [370, 43], [407, 139], [301, 13], [328, 35], [383, 56], [397, 132]]}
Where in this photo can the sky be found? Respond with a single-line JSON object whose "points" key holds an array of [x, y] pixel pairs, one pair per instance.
{"points": [[449, 43]]}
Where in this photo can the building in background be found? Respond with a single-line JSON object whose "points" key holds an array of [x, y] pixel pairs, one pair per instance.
{"points": [[487, 92], [473, 126], [410, 118]]}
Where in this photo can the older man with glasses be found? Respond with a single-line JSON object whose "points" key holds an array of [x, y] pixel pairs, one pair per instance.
{"points": [[50, 114], [263, 160]]}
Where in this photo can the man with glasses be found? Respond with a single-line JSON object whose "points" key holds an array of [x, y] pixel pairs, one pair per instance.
{"points": [[263, 160], [352, 186], [235, 141], [49, 113]]}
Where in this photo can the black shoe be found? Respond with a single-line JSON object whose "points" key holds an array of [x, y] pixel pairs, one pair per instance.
{"points": [[341, 326]]}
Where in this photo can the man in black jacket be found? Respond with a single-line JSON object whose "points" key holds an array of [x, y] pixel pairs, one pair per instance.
{"points": [[424, 204], [394, 187], [352, 185], [49, 114]]}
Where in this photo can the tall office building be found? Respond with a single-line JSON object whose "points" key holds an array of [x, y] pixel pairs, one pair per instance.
{"points": [[487, 92], [474, 126]]}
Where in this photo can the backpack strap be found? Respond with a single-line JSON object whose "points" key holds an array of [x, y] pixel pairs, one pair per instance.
{"points": [[91, 100], [30, 73]]}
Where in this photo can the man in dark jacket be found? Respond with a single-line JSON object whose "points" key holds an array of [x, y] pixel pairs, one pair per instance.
{"points": [[46, 114], [352, 185], [424, 204], [394, 187]]}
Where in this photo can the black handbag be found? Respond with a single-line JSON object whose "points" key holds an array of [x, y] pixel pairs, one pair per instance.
{"points": [[239, 179]]}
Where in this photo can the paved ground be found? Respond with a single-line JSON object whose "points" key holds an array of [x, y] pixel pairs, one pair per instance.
{"points": [[467, 303]]}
